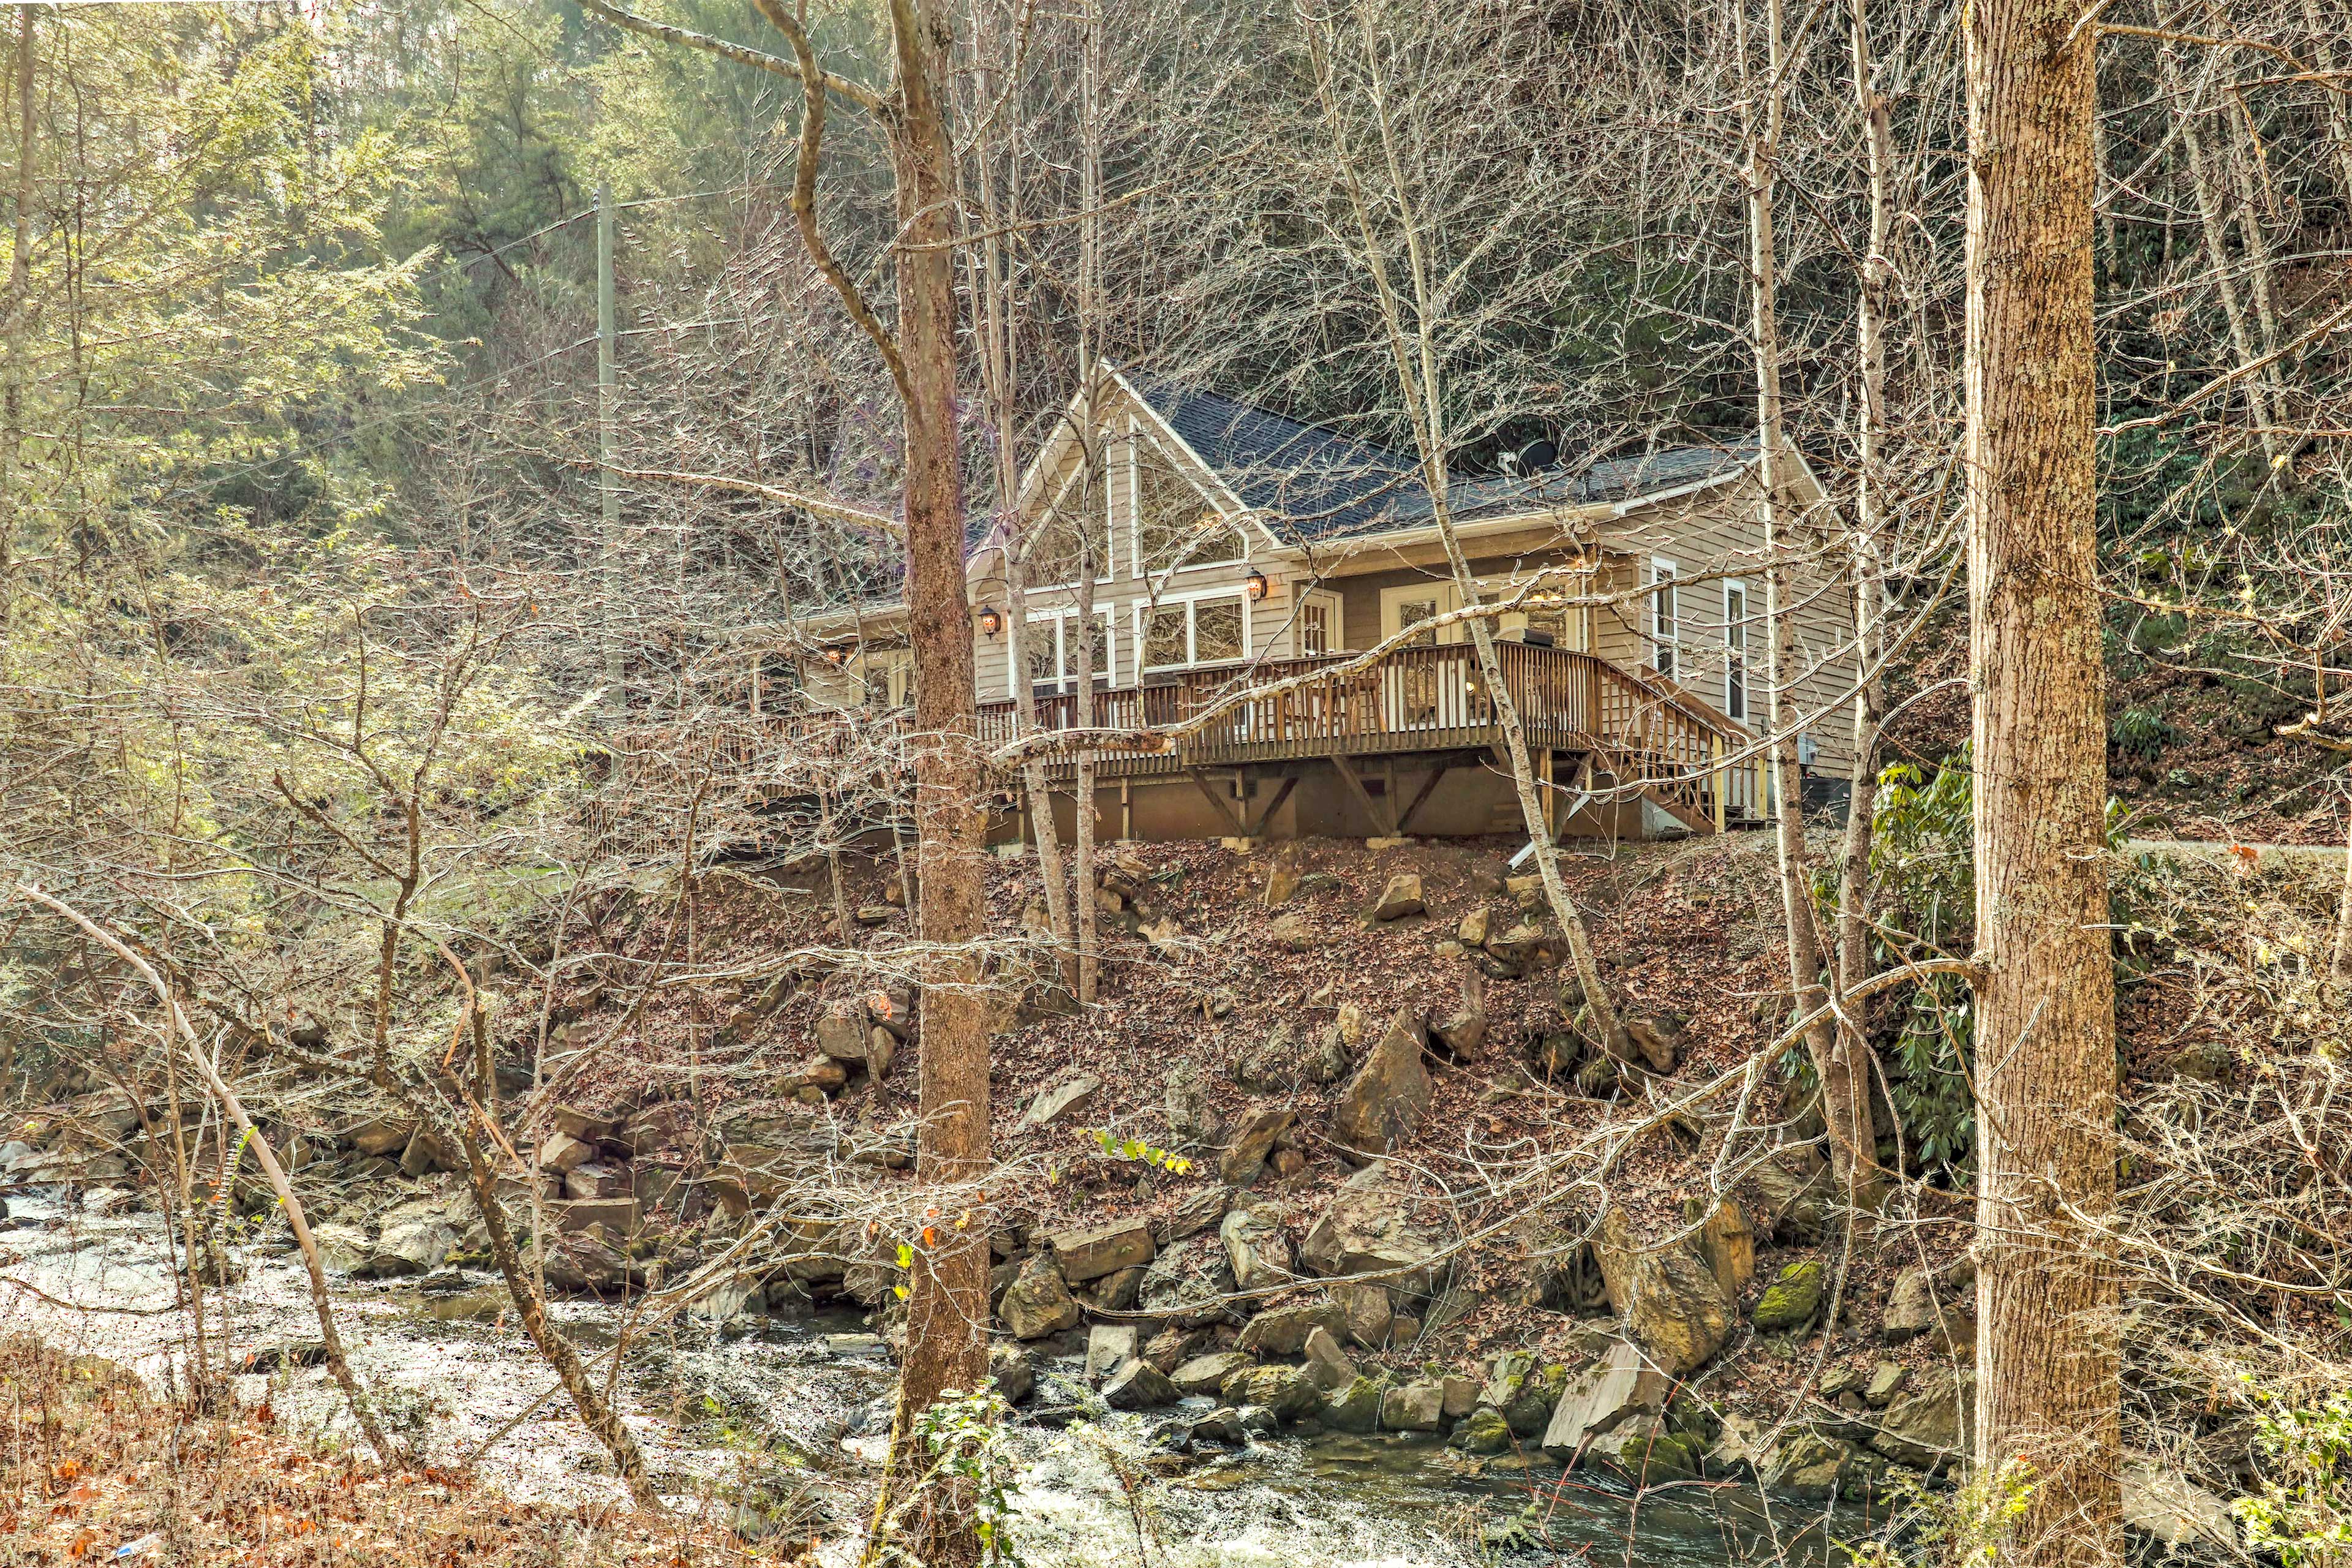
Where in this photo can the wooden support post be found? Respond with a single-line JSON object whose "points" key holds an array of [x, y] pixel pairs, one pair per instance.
{"points": [[1438, 771], [1126, 807], [1272, 806], [1722, 782], [1225, 807], [1363, 796]]}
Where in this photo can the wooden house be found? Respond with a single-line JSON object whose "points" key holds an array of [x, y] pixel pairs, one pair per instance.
{"points": [[1231, 548]]}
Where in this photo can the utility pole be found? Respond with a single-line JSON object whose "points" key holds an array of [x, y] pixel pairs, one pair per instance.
{"points": [[608, 345]]}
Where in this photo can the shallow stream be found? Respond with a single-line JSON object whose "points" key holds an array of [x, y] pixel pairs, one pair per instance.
{"points": [[776, 1421]]}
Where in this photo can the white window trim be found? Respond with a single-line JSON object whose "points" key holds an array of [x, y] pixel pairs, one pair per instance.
{"points": [[1335, 615], [1663, 570], [1189, 598], [1110, 529], [1735, 654], [1144, 572], [1106, 675]]}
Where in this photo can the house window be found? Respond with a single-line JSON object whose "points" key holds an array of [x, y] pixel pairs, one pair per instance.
{"points": [[1208, 629], [1665, 622], [1411, 613], [1071, 534], [1050, 648], [1175, 526], [1319, 625], [1735, 651]]}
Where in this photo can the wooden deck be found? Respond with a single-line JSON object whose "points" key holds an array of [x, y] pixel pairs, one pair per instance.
{"points": [[1639, 731]]}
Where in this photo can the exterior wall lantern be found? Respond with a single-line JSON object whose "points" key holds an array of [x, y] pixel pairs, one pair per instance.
{"points": [[1258, 586], [990, 623]]}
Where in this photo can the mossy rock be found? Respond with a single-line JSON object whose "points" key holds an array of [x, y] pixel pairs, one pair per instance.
{"points": [[1483, 1431], [1794, 1296], [1357, 1407]]}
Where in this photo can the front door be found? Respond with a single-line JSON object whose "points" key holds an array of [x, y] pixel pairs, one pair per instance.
{"points": [[1417, 601]]}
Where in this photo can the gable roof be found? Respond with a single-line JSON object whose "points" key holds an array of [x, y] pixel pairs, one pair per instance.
{"points": [[1310, 484]]}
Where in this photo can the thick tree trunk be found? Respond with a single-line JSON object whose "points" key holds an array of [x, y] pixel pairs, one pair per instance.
{"points": [[2047, 1384], [947, 1326]]}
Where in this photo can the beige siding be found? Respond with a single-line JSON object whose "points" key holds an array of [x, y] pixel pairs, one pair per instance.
{"points": [[1270, 622]]}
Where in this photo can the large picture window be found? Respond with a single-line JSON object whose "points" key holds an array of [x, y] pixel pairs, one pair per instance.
{"points": [[1071, 534], [1208, 629], [1175, 526], [1050, 648]]}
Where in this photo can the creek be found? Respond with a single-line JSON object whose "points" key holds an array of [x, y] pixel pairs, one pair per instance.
{"points": [[778, 1428]]}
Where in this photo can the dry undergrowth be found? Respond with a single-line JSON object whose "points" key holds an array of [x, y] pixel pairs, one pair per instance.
{"points": [[92, 1464]]}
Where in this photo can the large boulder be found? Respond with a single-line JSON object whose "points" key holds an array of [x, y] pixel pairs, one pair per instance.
{"points": [[1188, 1283], [1139, 1385], [1370, 1229], [1665, 1294], [1291, 1392], [1415, 1407], [1921, 1306], [1621, 1383], [342, 1249], [1253, 1141], [1792, 1299], [1052, 1104], [1807, 1466], [1357, 1407], [413, 1243], [1368, 1312], [1205, 1374], [1390, 1093], [1644, 1451], [1256, 1250], [1283, 1331], [1331, 1364], [1930, 1428], [1038, 1302], [1102, 1249], [2160, 1501], [1795, 1192], [1400, 898]]}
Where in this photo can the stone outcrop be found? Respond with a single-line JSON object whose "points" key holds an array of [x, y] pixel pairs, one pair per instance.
{"points": [[1370, 1228], [1929, 1427], [1257, 1249], [1623, 1383], [1291, 1392], [1102, 1249], [1188, 1283], [1206, 1374], [1665, 1296], [1283, 1329], [1390, 1093], [1139, 1385], [1038, 1302], [1253, 1141]]}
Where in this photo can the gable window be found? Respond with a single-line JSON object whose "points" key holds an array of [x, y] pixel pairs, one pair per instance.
{"points": [[1665, 620], [1175, 525], [1050, 648], [1072, 533], [1203, 628], [1735, 651]]}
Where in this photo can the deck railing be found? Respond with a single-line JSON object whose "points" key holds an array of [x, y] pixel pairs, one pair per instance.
{"points": [[1431, 697]]}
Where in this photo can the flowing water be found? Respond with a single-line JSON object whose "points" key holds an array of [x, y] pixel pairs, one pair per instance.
{"points": [[779, 1426]]}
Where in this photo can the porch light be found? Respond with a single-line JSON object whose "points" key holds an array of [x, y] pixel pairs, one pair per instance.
{"points": [[990, 623], [1258, 586]]}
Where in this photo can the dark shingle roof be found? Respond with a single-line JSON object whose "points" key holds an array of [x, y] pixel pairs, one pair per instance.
{"points": [[1310, 483]]}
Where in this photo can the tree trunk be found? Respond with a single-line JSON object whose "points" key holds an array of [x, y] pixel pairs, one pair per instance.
{"points": [[947, 1326], [1845, 1094], [13, 316], [2047, 1368], [2205, 184], [1865, 554]]}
